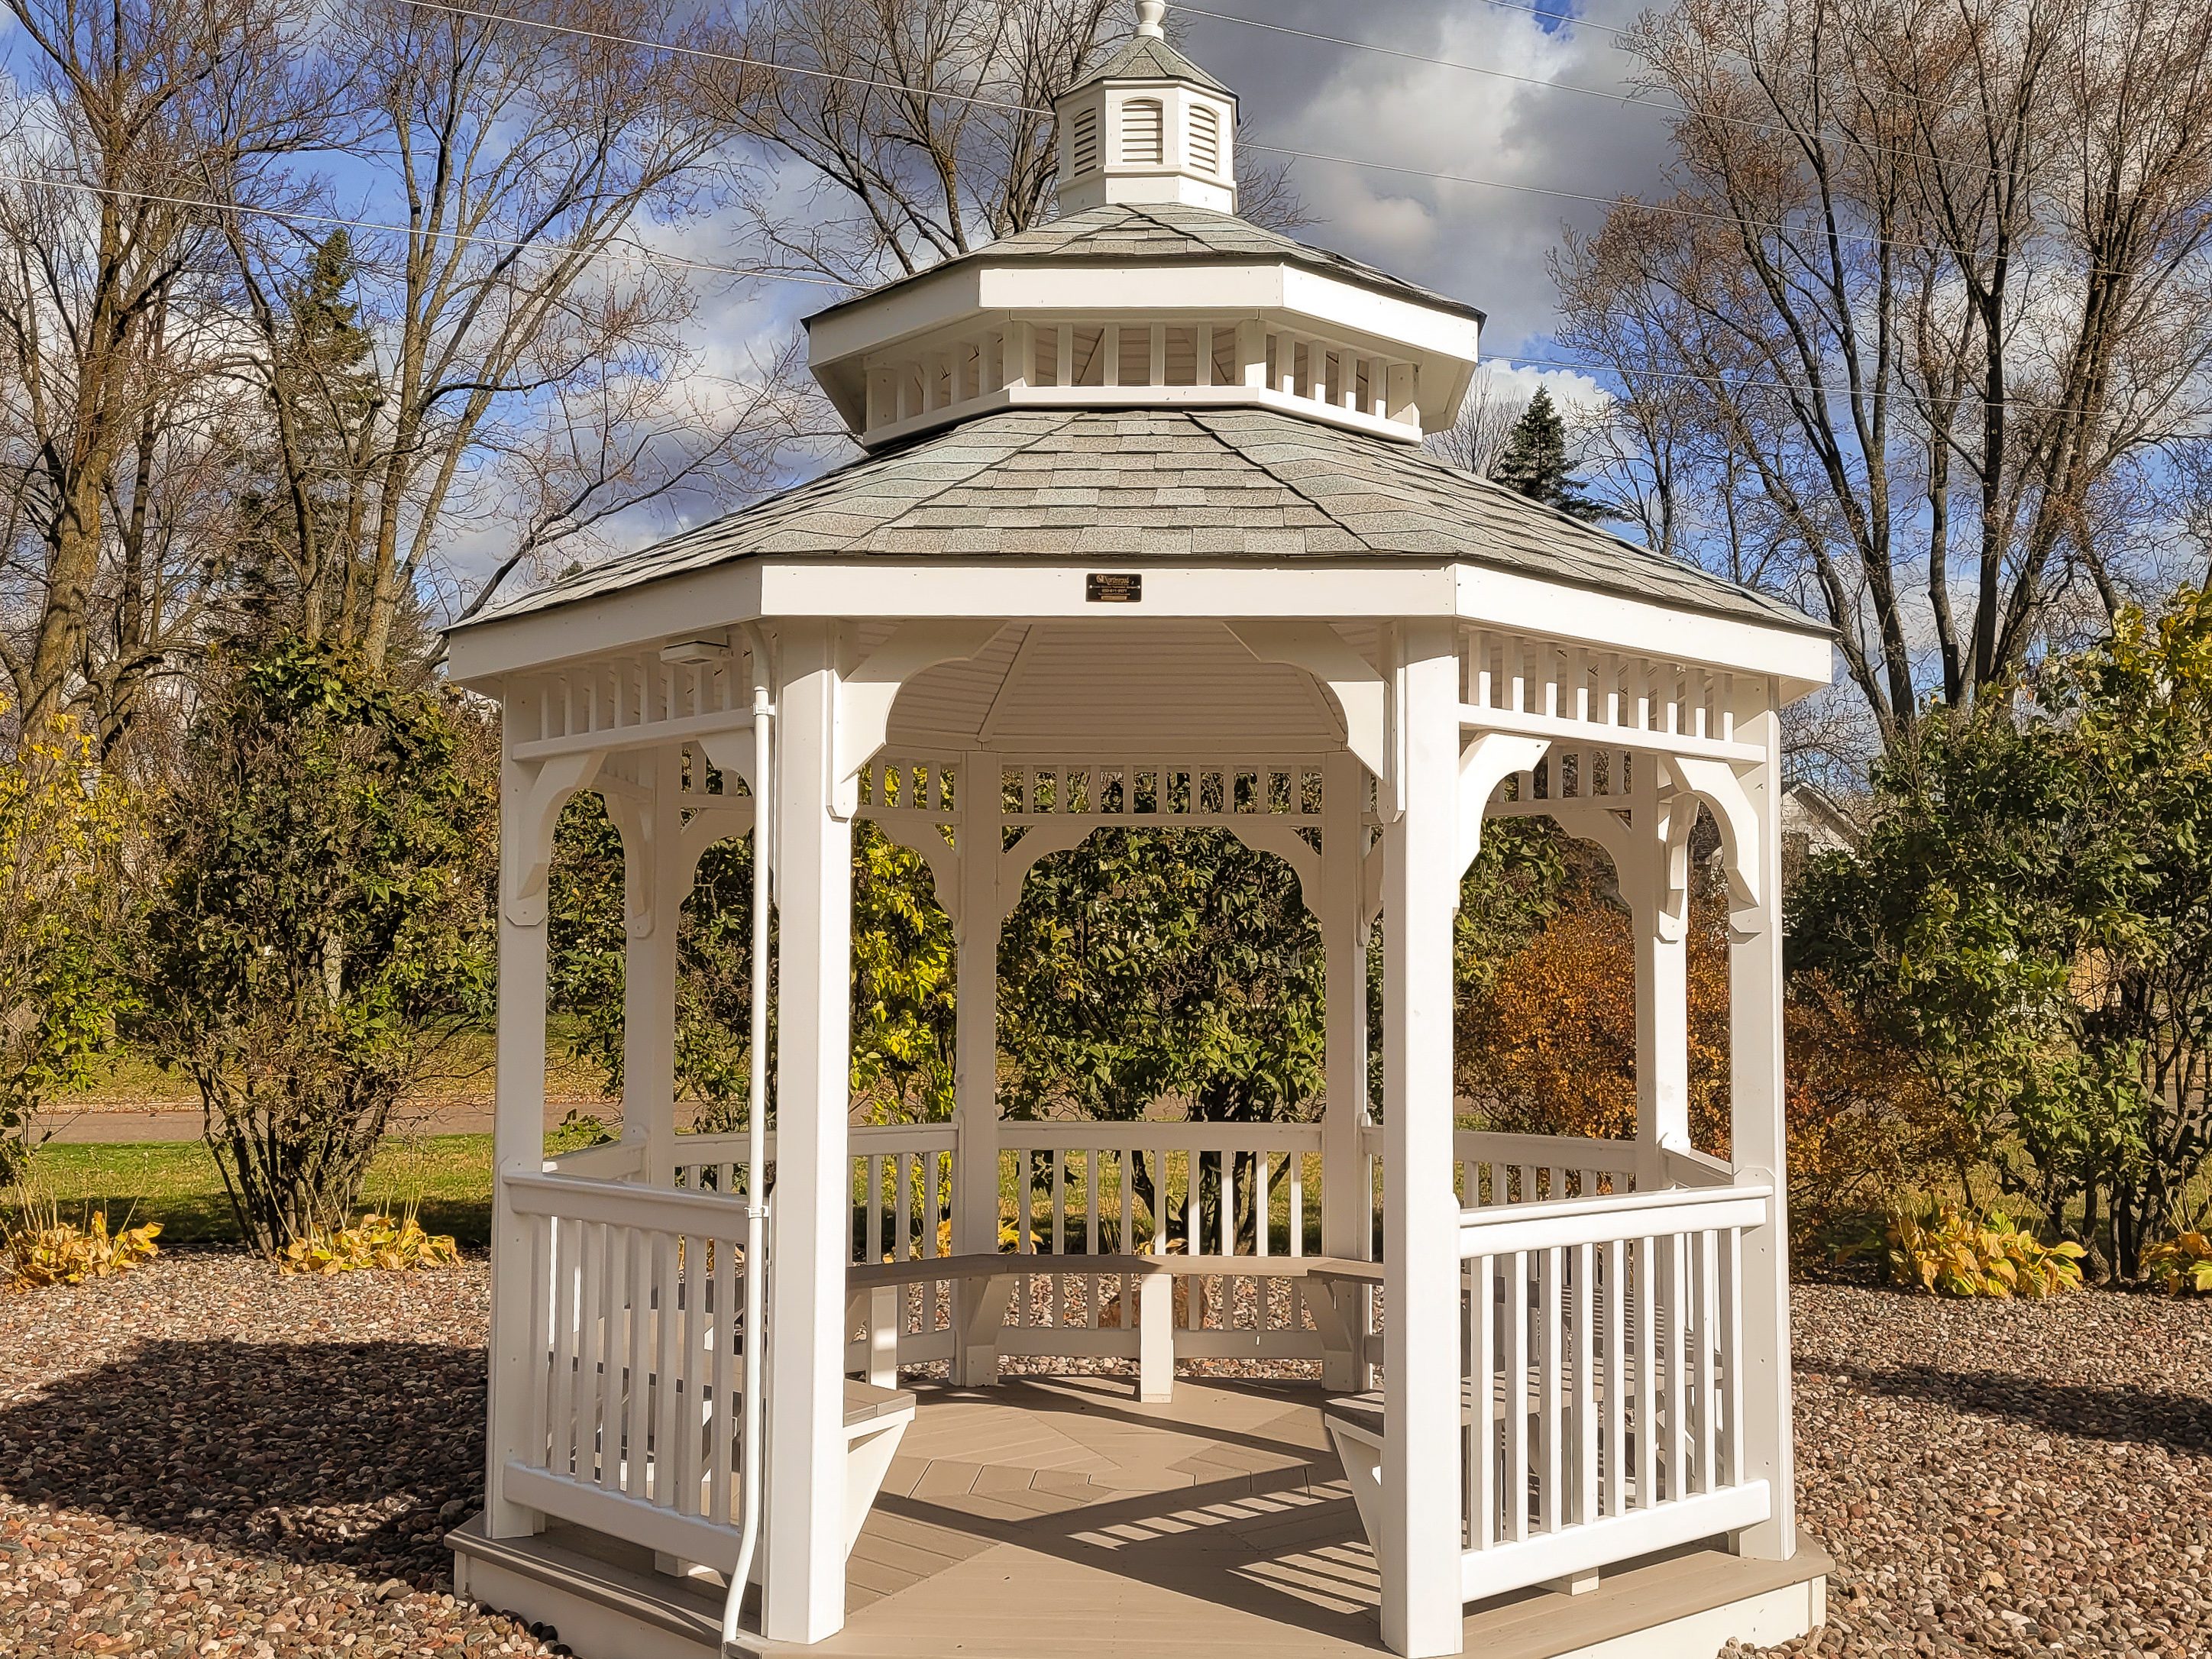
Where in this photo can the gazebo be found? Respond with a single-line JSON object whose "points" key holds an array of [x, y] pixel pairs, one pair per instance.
{"points": [[1143, 534]]}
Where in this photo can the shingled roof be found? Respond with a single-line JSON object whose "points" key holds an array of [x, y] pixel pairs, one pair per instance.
{"points": [[1167, 231], [1132, 485], [1147, 57]]}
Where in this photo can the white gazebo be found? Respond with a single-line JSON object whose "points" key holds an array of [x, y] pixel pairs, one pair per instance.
{"points": [[1143, 535]]}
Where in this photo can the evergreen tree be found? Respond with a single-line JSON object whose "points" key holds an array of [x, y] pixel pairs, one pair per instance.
{"points": [[301, 554], [1534, 463]]}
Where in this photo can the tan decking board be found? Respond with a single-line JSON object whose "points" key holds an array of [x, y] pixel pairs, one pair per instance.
{"points": [[1093, 1526], [1059, 1515]]}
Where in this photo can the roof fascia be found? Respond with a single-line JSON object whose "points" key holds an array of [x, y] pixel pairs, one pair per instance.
{"points": [[719, 597]]}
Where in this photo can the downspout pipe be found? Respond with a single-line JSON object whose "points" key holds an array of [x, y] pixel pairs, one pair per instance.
{"points": [[752, 1404]]}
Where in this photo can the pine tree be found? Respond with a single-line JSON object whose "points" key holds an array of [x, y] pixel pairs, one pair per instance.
{"points": [[1534, 463], [324, 390]]}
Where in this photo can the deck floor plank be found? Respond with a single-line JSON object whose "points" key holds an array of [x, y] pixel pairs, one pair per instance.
{"points": [[1058, 1514]]}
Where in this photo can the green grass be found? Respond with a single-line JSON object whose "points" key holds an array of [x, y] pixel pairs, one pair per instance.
{"points": [[446, 1178]]}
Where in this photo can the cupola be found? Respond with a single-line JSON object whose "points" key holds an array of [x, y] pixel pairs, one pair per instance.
{"points": [[1150, 126], [1146, 292]]}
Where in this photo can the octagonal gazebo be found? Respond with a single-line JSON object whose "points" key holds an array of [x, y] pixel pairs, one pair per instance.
{"points": [[1142, 536]]}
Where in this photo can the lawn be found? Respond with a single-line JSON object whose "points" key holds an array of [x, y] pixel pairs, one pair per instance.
{"points": [[445, 1178]]}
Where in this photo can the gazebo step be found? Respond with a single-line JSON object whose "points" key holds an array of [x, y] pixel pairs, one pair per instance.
{"points": [[601, 1595]]}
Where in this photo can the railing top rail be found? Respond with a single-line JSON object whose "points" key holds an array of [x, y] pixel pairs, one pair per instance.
{"points": [[1061, 1134], [608, 1158], [1574, 1150], [619, 1204], [1597, 1219]]}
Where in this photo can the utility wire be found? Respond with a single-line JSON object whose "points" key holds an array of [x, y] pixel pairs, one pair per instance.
{"points": [[1780, 227], [298, 216], [625, 248]]}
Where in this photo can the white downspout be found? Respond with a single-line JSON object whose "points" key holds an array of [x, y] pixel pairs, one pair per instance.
{"points": [[751, 1433]]}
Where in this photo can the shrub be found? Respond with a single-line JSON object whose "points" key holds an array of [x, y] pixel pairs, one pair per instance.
{"points": [[322, 921], [68, 827], [1951, 1253], [2182, 1266], [375, 1241], [63, 1253]]}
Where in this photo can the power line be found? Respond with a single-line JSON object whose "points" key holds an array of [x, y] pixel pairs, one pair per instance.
{"points": [[1748, 383], [774, 274], [1779, 129], [297, 216], [1781, 226], [1443, 62]]}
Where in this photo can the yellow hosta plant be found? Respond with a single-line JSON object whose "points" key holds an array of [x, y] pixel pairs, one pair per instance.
{"points": [[61, 1253], [375, 1241], [2182, 1266], [1954, 1254]]}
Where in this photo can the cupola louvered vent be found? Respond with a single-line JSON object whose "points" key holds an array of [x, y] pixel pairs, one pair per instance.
{"points": [[1206, 139], [1084, 144], [1141, 132]]}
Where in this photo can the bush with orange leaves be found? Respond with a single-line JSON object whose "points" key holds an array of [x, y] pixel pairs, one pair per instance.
{"points": [[1546, 1045]]}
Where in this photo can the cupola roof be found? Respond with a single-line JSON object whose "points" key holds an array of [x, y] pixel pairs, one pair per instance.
{"points": [[1146, 291]]}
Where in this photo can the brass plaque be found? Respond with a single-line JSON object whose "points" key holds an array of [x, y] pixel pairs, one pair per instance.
{"points": [[1115, 587]]}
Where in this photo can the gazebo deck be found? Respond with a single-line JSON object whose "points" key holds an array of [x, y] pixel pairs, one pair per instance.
{"points": [[1058, 1514]]}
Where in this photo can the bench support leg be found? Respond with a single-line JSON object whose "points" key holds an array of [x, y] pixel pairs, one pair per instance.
{"points": [[1156, 1339], [884, 1323], [979, 1312]]}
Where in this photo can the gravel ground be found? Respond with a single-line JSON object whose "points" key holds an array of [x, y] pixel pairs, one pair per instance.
{"points": [[204, 1458]]}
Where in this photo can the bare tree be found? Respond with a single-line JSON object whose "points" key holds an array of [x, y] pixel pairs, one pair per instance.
{"points": [[926, 125], [927, 121], [112, 300], [531, 372], [1934, 274]]}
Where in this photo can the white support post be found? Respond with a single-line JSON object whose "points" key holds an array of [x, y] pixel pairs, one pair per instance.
{"points": [[803, 1591], [654, 880], [1347, 1194], [1419, 1550], [1757, 1149], [976, 1052], [518, 1122], [1663, 1007]]}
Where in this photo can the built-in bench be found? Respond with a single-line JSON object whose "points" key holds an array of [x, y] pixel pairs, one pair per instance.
{"points": [[983, 1284]]}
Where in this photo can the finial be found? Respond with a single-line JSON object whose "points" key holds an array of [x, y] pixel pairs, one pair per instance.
{"points": [[1149, 13]]}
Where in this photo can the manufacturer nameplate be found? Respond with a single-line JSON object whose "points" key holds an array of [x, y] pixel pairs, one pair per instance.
{"points": [[1112, 588]]}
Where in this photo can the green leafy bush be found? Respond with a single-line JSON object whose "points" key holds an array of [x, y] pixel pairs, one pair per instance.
{"points": [[1951, 1253]]}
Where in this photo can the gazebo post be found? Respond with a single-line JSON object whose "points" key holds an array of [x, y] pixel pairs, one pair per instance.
{"points": [[1347, 1196], [654, 880], [518, 1112], [1663, 1007], [803, 1589], [1421, 1543], [1757, 1136], [975, 1047]]}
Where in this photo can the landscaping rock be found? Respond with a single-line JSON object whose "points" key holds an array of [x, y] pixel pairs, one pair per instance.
{"points": [[202, 1457]]}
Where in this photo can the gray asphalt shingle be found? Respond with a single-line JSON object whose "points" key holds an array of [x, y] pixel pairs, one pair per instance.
{"points": [[1222, 484], [1168, 231]]}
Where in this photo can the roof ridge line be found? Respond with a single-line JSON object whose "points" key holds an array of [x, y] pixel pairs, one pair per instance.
{"points": [[1199, 418]]}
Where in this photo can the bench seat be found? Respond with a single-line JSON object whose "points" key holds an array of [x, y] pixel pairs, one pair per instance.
{"points": [[983, 1284]]}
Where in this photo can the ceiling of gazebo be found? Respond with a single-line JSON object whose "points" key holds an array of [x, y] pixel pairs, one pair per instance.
{"points": [[1115, 688]]}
